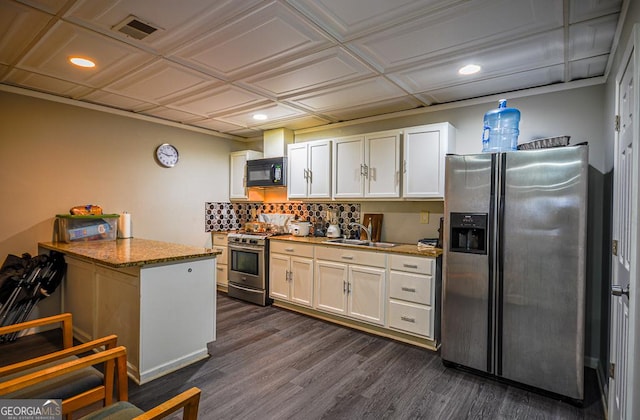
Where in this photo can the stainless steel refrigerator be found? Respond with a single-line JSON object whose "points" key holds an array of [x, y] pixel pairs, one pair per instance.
{"points": [[514, 264]]}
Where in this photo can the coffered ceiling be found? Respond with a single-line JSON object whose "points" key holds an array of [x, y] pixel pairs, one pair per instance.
{"points": [[302, 63]]}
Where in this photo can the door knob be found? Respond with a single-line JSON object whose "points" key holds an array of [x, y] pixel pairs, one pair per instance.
{"points": [[619, 290]]}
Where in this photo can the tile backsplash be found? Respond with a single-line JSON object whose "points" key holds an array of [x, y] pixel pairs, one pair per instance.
{"points": [[225, 216]]}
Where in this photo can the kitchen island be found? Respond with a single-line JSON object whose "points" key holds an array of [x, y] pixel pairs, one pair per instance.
{"points": [[158, 297]]}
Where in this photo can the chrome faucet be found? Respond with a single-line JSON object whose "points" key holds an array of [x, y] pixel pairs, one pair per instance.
{"points": [[366, 229]]}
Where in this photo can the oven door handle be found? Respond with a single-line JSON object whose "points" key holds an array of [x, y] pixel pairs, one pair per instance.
{"points": [[244, 288], [246, 248]]}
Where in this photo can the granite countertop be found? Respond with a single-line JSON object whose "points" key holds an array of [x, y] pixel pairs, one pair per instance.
{"points": [[130, 252], [406, 249]]}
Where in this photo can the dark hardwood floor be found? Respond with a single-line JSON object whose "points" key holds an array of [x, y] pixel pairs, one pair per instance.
{"points": [[269, 363]]}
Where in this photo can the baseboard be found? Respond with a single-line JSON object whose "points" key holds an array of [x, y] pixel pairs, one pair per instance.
{"points": [[603, 385], [594, 363]]}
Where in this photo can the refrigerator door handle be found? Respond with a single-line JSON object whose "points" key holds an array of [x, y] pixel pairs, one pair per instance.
{"points": [[502, 172]]}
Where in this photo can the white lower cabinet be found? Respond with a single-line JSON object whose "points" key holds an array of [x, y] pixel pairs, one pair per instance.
{"points": [[331, 287], [219, 240], [395, 294], [412, 295], [351, 283], [291, 272]]}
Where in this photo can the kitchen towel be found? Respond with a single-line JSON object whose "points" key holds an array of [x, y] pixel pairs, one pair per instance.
{"points": [[124, 225]]}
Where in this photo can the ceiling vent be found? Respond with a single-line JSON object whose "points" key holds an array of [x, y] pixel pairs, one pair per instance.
{"points": [[135, 28]]}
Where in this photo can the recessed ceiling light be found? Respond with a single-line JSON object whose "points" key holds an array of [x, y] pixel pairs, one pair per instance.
{"points": [[469, 69], [259, 117], [82, 62]]}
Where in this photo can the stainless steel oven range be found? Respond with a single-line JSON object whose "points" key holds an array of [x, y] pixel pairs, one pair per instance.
{"points": [[248, 267]]}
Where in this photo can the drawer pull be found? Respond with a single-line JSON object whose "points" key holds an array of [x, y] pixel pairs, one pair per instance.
{"points": [[407, 319], [414, 266], [289, 249], [219, 268], [408, 289], [347, 257]]}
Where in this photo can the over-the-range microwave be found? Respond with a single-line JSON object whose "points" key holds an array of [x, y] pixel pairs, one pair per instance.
{"points": [[269, 172]]}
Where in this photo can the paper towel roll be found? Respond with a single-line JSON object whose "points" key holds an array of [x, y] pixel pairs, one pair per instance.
{"points": [[124, 225]]}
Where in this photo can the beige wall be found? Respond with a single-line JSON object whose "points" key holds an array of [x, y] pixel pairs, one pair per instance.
{"points": [[54, 156], [574, 112]]}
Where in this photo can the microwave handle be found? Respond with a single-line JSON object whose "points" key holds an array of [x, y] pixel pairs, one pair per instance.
{"points": [[273, 174]]}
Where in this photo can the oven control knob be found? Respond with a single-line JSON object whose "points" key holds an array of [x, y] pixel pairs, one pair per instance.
{"points": [[253, 241]]}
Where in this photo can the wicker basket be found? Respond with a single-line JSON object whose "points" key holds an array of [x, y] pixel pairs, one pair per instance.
{"points": [[545, 143]]}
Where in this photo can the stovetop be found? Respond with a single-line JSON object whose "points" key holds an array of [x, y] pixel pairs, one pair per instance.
{"points": [[251, 238]]}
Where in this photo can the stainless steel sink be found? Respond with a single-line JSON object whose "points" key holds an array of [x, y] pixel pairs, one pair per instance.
{"points": [[344, 241], [359, 242], [382, 245]]}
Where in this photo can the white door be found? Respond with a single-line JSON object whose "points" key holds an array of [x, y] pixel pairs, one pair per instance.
{"points": [[331, 287], [348, 167], [237, 182], [320, 169], [366, 293], [302, 280], [425, 148], [622, 395], [297, 175], [382, 170], [279, 276]]}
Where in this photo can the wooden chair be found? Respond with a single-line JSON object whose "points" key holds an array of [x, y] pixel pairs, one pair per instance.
{"points": [[90, 382], [114, 363]]}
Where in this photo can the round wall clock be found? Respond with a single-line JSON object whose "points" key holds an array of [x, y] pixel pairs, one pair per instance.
{"points": [[167, 155]]}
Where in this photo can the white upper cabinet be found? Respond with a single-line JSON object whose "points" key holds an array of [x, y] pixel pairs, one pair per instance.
{"points": [[348, 167], [425, 148], [309, 169], [237, 173], [367, 166], [382, 165]]}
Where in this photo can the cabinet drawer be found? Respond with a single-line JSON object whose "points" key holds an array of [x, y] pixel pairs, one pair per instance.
{"points": [[351, 256], [410, 317], [291, 248], [421, 265], [411, 287], [219, 238], [221, 258]]}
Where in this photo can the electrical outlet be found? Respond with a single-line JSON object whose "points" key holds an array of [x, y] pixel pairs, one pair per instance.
{"points": [[424, 217]]}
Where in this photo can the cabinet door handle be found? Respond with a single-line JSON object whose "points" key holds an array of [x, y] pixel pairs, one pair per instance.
{"points": [[309, 175], [404, 166], [344, 286], [408, 289], [407, 319], [414, 266], [348, 287], [289, 249], [306, 173], [347, 257], [219, 268]]}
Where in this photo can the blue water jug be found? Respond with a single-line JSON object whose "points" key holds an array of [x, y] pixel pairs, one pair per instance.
{"points": [[501, 129]]}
